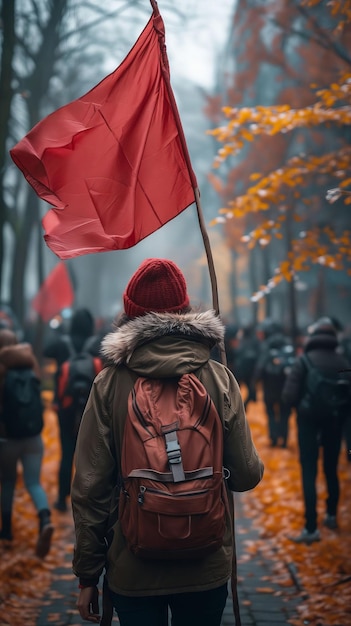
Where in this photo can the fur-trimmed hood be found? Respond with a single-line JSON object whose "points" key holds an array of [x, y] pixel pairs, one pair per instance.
{"points": [[144, 335]]}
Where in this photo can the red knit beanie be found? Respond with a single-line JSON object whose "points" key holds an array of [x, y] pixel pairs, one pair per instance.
{"points": [[158, 285]]}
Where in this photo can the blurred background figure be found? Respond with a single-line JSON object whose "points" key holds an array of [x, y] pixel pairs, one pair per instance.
{"points": [[230, 344], [246, 356], [275, 360], [80, 345], [21, 421], [323, 402], [344, 338]]}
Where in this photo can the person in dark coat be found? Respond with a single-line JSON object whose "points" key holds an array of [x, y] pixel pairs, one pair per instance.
{"points": [[278, 412], [315, 433], [28, 450], [81, 335]]}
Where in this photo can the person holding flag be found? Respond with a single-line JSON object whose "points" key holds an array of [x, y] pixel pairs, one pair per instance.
{"points": [[159, 336]]}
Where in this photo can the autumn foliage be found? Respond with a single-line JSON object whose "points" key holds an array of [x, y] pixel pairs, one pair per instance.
{"points": [[300, 157]]}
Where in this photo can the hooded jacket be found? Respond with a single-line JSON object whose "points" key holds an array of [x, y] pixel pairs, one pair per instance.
{"points": [[321, 349], [156, 346]]}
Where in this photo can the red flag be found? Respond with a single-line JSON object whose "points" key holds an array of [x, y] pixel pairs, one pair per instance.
{"points": [[56, 293], [113, 163]]}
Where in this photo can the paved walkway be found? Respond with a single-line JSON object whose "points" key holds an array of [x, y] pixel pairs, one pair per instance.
{"points": [[262, 602]]}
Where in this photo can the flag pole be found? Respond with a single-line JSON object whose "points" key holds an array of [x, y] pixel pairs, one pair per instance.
{"points": [[208, 251], [159, 28]]}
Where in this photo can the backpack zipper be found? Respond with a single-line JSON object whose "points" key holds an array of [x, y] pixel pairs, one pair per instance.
{"points": [[143, 489]]}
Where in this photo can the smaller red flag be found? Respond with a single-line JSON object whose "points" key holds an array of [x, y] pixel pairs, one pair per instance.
{"points": [[56, 293]]}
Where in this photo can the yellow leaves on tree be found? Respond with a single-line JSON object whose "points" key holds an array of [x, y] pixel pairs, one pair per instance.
{"points": [[246, 123], [340, 9], [287, 186]]}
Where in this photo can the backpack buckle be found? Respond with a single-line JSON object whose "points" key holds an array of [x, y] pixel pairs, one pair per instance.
{"points": [[174, 456], [173, 451]]}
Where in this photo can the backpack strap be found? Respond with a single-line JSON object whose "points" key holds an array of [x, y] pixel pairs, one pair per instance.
{"points": [[174, 453]]}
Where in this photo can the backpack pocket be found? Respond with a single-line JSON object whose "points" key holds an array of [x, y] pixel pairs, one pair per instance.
{"points": [[159, 523]]}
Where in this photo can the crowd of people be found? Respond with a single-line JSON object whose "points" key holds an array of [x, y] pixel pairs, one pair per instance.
{"points": [[160, 336], [312, 378]]}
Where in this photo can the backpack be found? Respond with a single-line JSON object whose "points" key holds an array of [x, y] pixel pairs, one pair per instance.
{"points": [[173, 498], [324, 396], [279, 361], [75, 380], [22, 408]]}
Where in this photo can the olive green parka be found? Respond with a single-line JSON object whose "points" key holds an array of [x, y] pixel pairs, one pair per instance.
{"points": [[156, 346]]}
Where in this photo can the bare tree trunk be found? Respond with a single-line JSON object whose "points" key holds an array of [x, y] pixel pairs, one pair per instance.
{"points": [[253, 284], [8, 44], [320, 293], [22, 243], [37, 86], [265, 254], [291, 284], [38, 344]]}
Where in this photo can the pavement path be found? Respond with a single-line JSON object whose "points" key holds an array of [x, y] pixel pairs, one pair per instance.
{"points": [[262, 601]]}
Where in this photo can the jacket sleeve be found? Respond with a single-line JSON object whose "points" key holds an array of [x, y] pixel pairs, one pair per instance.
{"points": [[93, 486], [240, 456]]}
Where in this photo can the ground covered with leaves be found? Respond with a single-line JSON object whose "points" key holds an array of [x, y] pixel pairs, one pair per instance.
{"points": [[321, 572]]}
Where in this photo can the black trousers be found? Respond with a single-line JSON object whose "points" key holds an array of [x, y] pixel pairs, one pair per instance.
{"points": [[278, 415], [204, 608], [311, 438], [68, 438]]}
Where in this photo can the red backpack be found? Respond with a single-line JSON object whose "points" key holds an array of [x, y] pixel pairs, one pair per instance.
{"points": [[173, 498]]}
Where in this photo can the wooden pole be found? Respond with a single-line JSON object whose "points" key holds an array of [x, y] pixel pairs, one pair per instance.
{"points": [[211, 267], [159, 28]]}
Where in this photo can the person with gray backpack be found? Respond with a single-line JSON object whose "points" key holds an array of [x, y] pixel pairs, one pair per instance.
{"points": [[77, 358], [319, 387], [21, 424], [163, 442]]}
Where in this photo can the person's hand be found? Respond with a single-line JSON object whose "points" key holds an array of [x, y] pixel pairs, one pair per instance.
{"points": [[88, 604]]}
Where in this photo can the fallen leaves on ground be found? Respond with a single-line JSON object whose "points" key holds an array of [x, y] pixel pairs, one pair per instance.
{"points": [[322, 570]]}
